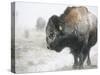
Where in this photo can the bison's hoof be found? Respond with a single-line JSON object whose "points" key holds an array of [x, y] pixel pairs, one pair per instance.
{"points": [[47, 47], [81, 67], [75, 66], [88, 63]]}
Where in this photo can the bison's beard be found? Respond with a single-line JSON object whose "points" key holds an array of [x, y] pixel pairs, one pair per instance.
{"points": [[57, 49], [56, 46]]}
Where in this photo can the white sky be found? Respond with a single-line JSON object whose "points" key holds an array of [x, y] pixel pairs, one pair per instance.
{"points": [[27, 13]]}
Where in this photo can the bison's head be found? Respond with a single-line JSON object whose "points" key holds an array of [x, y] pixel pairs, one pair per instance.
{"points": [[55, 36]]}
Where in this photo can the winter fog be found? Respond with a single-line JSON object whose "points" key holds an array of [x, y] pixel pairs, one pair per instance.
{"points": [[28, 13]]}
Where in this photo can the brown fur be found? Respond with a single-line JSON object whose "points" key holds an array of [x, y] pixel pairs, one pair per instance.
{"points": [[73, 15]]}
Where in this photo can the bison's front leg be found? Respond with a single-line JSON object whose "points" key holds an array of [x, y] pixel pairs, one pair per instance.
{"points": [[75, 65], [81, 57], [75, 55]]}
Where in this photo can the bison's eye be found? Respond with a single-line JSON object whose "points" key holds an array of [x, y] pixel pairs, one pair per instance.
{"points": [[51, 35]]}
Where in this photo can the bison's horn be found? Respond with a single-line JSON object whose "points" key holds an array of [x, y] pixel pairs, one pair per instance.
{"points": [[60, 28]]}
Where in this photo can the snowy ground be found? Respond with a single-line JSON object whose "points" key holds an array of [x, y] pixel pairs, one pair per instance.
{"points": [[32, 55]]}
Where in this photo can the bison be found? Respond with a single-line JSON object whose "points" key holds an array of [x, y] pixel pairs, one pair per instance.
{"points": [[76, 28]]}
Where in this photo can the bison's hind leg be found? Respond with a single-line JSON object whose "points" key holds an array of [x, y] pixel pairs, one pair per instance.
{"points": [[88, 60], [83, 55]]}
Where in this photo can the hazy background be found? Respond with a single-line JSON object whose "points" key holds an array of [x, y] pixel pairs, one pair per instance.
{"points": [[28, 13]]}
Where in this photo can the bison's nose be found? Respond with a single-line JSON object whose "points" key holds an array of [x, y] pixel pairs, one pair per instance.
{"points": [[48, 47]]}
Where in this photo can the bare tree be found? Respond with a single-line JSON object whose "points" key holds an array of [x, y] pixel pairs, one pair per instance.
{"points": [[26, 33], [40, 23]]}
